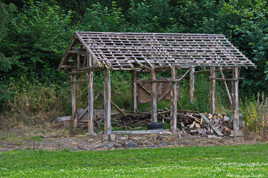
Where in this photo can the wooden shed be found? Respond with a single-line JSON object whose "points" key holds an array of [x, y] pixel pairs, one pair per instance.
{"points": [[152, 52]]}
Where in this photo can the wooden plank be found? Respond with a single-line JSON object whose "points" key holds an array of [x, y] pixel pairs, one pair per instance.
{"points": [[134, 91], [236, 101], [212, 90], [144, 89], [154, 97], [174, 102], [130, 132], [107, 102], [192, 84]]}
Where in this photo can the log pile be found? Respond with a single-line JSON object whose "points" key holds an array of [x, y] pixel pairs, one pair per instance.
{"points": [[204, 124], [189, 122]]}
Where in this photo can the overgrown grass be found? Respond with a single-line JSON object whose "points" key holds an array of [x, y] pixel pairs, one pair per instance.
{"points": [[255, 112], [219, 161], [33, 102]]}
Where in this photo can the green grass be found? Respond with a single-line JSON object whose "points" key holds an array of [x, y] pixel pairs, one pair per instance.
{"points": [[219, 161]]}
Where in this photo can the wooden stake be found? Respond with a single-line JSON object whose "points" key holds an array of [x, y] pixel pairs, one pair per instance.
{"points": [[236, 101], [154, 98], [213, 90], [174, 102], [192, 84], [134, 91], [107, 102]]}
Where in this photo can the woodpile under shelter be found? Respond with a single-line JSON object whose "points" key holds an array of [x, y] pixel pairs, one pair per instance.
{"points": [[151, 53]]}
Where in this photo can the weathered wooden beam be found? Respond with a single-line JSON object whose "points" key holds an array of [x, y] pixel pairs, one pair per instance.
{"points": [[236, 101], [226, 87], [74, 99], [192, 84], [212, 90], [130, 132], [107, 102], [174, 102], [134, 91], [217, 131], [226, 79], [90, 104], [154, 97], [144, 89]]}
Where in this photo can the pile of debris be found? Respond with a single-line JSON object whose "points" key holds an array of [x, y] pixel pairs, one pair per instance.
{"points": [[193, 123], [205, 124]]}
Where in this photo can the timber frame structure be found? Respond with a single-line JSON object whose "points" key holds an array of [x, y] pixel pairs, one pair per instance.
{"points": [[152, 52]]}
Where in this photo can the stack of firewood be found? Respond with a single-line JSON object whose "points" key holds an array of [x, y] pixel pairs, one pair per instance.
{"points": [[189, 122], [204, 124]]}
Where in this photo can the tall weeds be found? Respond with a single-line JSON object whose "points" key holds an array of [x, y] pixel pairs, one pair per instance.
{"points": [[255, 112], [34, 103]]}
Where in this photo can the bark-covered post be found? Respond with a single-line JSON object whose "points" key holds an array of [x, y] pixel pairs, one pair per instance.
{"points": [[134, 91], [174, 101], [90, 99], [192, 84], [154, 97], [107, 102], [213, 90], [74, 99], [235, 100]]}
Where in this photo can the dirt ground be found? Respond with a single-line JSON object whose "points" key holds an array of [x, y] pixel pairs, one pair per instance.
{"points": [[51, 138]]}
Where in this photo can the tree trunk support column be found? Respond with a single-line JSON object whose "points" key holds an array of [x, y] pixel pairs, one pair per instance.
{"points": [[192, 84], [90, 100], [74, 100], [134, 91], [236, 101], [154, 97], [213, 89], [107, 102], [174, 102]]}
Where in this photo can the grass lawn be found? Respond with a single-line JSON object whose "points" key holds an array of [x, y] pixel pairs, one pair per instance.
{"points": [[218, 161]]}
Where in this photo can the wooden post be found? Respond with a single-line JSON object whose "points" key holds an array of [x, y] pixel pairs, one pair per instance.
{"points": [[226, 87], [74, 101], [90, 99], [154, 97], [236, 101], [76, 91], [90, 104], [174, 102], [134, 91], [192, 84], [107, 102], [213, 89]]}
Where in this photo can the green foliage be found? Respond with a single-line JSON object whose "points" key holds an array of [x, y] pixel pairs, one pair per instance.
{"points": [[34, 102], [34, 35], [212, 161], [40, 33], [102, 18], [255, 113]]}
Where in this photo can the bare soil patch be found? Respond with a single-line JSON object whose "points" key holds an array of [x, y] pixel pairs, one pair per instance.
{"points": [[48, 137]]}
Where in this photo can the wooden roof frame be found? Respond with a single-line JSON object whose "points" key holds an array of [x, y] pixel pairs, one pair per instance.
{"points": [[138, 51]]}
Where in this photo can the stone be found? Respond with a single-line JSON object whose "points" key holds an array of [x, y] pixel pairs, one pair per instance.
{"points": [[112, 137], [238, 133], [131, 144], [105, 146]]}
